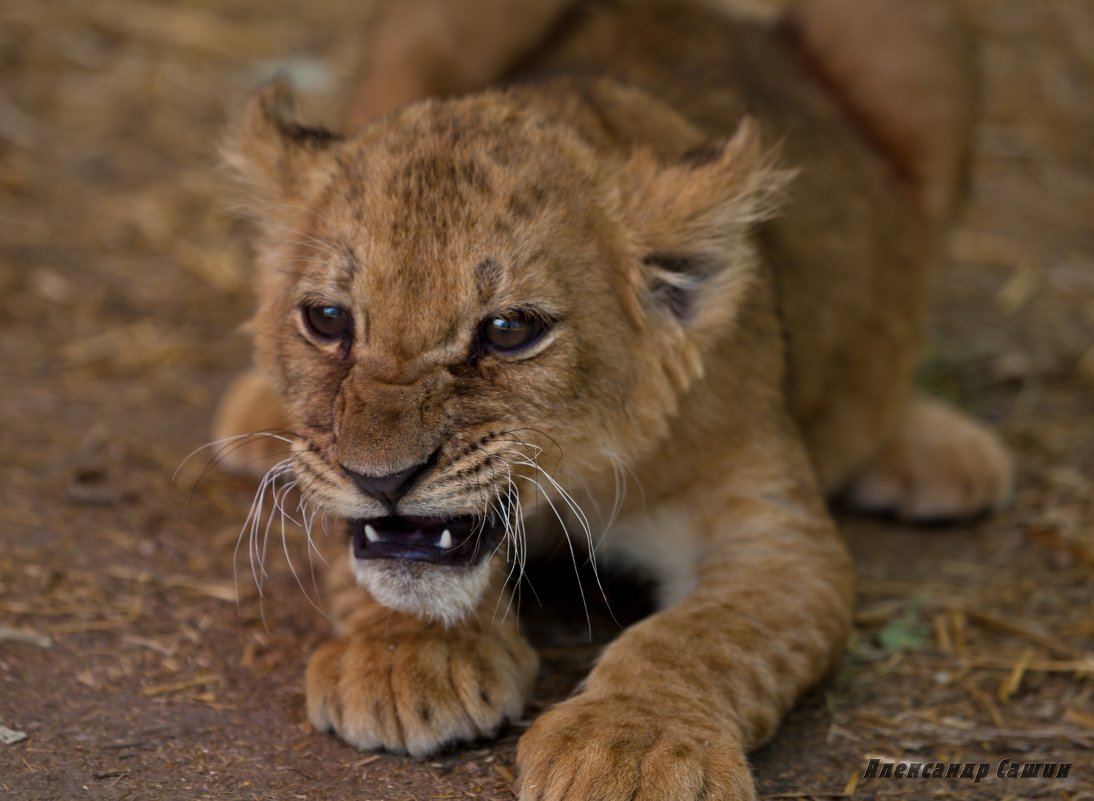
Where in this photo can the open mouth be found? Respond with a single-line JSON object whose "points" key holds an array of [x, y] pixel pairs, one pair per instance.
{"points": [[459, 541]]}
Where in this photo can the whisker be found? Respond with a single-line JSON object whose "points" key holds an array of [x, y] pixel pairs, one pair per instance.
{"points": [[539, 450], [512, 546], [228, 445], [289, 559], [250, 526], [254, 434], [570, 546], [582, 519]]}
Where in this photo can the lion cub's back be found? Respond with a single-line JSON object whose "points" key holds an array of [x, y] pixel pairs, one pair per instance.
{"points": [[849, 253]]}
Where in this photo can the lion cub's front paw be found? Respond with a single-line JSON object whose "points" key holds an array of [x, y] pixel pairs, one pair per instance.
{"points": [[408, 686], [619, 748]]}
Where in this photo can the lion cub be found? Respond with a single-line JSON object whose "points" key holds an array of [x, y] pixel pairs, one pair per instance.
{"points": [[688, 244]]}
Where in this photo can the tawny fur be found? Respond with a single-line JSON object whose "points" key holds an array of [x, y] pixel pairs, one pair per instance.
{"points": [[737, 327]]}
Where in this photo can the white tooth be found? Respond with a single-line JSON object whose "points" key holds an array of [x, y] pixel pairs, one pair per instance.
{"points": [[446, 540], [371, 534]]}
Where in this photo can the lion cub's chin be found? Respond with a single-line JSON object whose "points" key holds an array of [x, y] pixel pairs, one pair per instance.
{"points": [[439, 593]]}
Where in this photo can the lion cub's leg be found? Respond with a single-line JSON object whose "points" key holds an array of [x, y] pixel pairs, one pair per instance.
{"points": [[939, 464], [906, 70], [397, 682], [437, 48], [676, 702], [249, 407]]}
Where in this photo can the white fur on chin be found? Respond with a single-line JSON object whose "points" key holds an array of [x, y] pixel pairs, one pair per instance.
{"points": [[438, 593]]}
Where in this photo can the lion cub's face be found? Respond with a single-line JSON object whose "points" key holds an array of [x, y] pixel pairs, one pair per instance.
{"points": [[466, 305]]}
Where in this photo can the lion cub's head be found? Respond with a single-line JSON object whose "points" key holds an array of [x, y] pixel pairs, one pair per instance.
{"points": [[467, 305]]}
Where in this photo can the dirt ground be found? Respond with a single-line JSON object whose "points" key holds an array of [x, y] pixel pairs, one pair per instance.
{"points": [[139, 667]]}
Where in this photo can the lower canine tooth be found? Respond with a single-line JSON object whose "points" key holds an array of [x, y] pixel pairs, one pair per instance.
{"points": [[446, 540], [371, 535]]}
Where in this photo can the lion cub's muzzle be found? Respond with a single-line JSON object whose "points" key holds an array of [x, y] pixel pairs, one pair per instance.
{"points": [[457, 541]]}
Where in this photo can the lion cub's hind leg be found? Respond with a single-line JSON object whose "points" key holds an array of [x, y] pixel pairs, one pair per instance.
{"points": [[939, 464], [249, 427]]}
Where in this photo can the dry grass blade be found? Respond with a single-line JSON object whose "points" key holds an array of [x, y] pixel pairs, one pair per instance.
{"points": [[1080, 667], [1025, 630], [183, 684], [964, 733], [8, 634], [1009, 686], [83, 627], [985, 700], [1084, 719], [210, 589]]}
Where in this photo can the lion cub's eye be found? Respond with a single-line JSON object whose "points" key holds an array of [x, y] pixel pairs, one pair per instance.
{"points": [[511, 332], [328, 322]]}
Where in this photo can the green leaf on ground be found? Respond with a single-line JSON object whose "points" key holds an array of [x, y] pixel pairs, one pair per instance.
{"points": [[906, 631]]}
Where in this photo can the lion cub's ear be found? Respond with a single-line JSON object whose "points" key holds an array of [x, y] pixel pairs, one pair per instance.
{"points": [[276, 154], [693, 220]]}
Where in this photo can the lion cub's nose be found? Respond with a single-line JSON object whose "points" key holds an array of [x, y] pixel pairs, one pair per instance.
{"points": [[391, 488]]}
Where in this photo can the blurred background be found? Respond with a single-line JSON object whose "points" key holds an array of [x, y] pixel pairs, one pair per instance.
{"points": [[136, 663]]}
